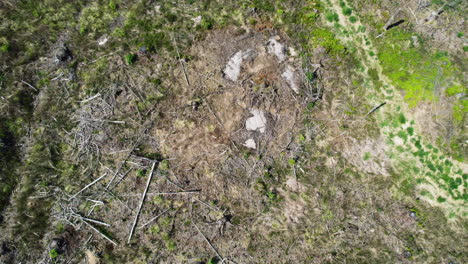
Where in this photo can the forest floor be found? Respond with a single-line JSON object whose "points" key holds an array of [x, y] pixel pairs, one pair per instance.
{"points": [[216, 132]]}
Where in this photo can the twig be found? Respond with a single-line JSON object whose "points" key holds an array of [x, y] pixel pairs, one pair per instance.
{"points": [[150, 176], [375, 108], [32, 87], [93, 61], [207, 241], [102, 234], [89, 185], [164, 193], [137, 142], [101, 120], [123, 176], [90, 98], [182, 65], [152, 219], [89, 219], [194, 198]]}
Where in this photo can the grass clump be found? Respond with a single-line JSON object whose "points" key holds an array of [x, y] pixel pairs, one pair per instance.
{"points": [[53, 254], [4, 45], [207, 23], [332, 17], [347, 11], [402, 118], [130, 58]]}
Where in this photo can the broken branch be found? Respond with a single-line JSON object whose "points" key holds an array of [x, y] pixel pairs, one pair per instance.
{"points": [[150, 176], [89, 185], [102, 234], [207, 241], [375, 108], [152, 219]]}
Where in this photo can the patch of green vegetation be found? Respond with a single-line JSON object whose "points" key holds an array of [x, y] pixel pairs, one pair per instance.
{"points": [[459, 110], [155, 229], [326, 39], [169, 242], [353, 19], [403, 135], [412, 68], [158, 200], [367, 156], [460, 34], [53, 253], [131, 58], [402, 118], [96, 18], [332, 16], [374, 75], [347, 11], [141, 173], [454, 89], [4, 47]]}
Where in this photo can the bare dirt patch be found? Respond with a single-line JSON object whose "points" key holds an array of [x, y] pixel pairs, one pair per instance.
{"points": [[241, 96]]}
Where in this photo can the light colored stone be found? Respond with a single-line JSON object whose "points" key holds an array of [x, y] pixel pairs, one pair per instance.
{"points": [[103, 40], [196, 20], [233, 68], [257, 122], [274, 47], [290, 76], [250, 143]]}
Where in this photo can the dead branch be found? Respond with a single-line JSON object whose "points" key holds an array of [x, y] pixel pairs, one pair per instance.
{"points": [[390, 23], [391, 19], [152, 219], [376, 108], [29, 85], [180, 61], [102, 234], [164, 193], [207, 241], [89, 185], [89, 219], [123, 177], [194, 198], [90, 98], [150, 176], [137, 142]]}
